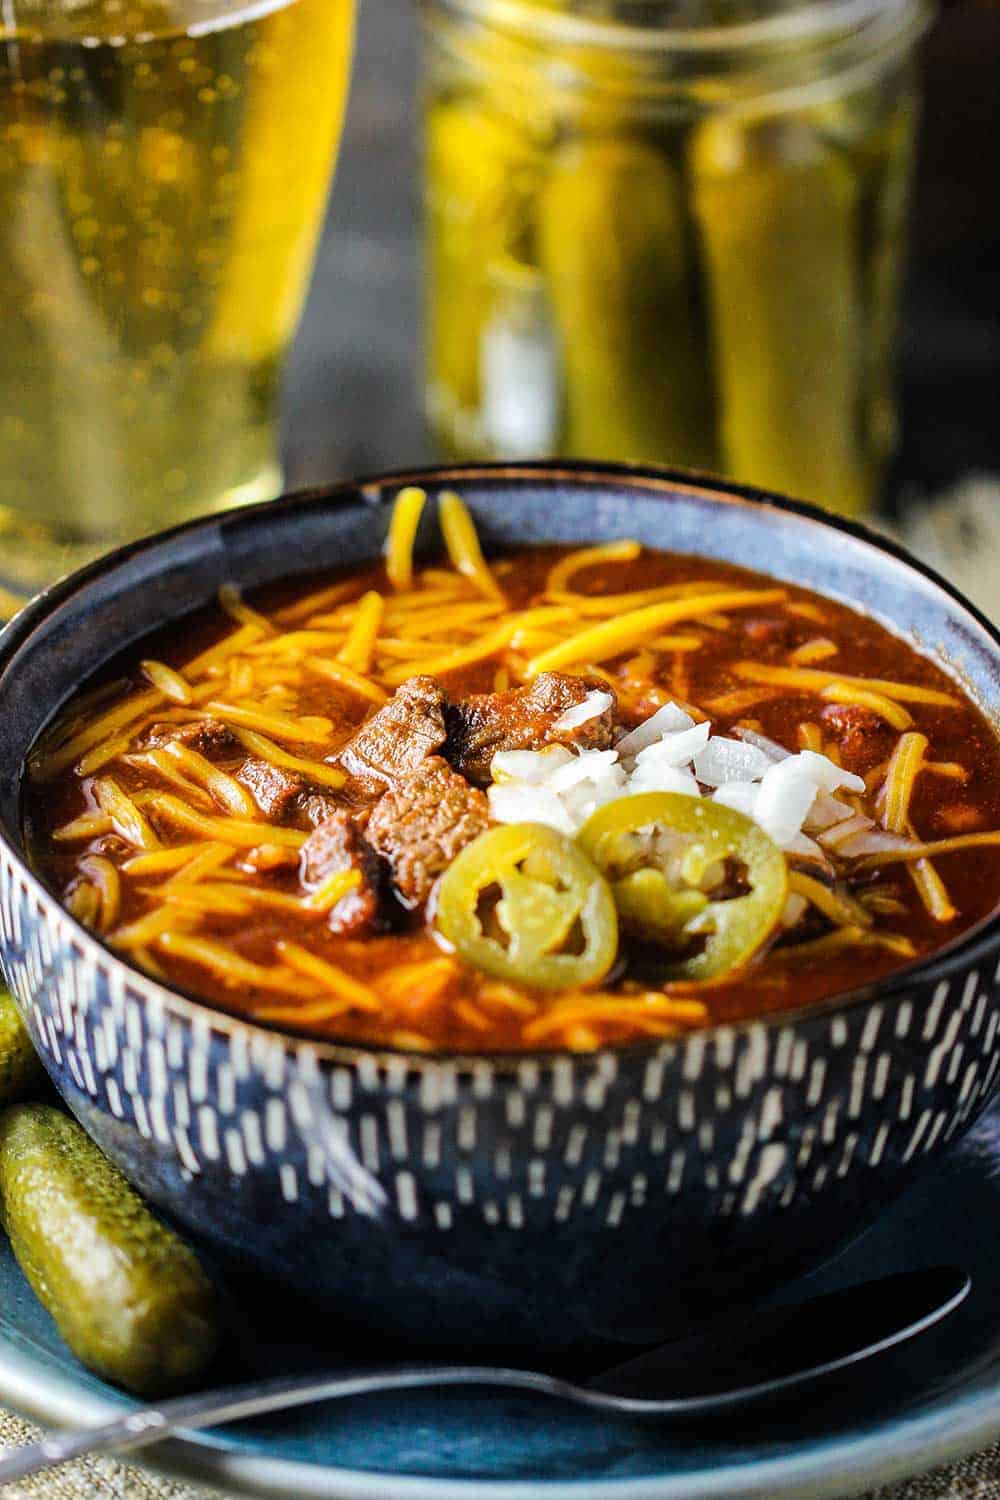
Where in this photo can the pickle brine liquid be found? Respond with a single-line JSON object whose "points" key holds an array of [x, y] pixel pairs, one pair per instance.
{"points": [[163, 173]]}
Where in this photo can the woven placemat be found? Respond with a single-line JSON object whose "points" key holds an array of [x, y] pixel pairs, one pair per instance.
{"points": [[90, 1478], [976, 1478]]}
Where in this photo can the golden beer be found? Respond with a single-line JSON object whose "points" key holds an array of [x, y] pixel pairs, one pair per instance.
{"points": [[163, 173]]}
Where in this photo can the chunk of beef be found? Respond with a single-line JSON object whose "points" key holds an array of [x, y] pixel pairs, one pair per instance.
{"points": [[208, 736], [524, 719], [315, 808], [277, 792], [286, 796], [392, 744], [335, 846], [864, 738], [422, 825]]}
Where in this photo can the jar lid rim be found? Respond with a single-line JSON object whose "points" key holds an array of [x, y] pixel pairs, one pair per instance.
{"points": [[812, 20]]}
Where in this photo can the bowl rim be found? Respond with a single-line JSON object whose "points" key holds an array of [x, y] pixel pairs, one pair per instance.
{"points": [[969, 949]]}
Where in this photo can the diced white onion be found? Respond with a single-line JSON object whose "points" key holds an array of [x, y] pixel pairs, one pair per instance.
{"points": [[826, 775], [770, 748], [782, 792], [871, 841], [667, 720], [782, 803], [840, 833], [593, 705], [826, 811], [529, 804], [588, 765], [741, 796], [585, 798], [587, 795], [676, 749], [528, 765], [725, 760], [806, 848], [788, 792], [655, 777]]}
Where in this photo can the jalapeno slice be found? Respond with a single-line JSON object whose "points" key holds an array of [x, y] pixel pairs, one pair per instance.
{"points": [[523, 903], [691, 876]]}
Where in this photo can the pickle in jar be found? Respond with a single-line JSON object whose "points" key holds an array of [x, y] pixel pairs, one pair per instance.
{"points": [[884, 163], [777, 210], [614, 247], [482, 174], [875, 131]]}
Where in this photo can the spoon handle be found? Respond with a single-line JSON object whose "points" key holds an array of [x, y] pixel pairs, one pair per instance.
{"points": [[891, 1310], [152, 1424]]}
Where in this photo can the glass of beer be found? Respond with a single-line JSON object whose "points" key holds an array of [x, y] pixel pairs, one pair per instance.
{"points": [[163, 173]]}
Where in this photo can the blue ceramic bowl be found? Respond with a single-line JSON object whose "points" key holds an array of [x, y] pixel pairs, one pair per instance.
{"points": [[548, 1201]]}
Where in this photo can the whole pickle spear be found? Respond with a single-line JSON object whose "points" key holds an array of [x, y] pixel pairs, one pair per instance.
{"points": [[480, 173], [128, 1296], [887, 160], [777, 211], [20, 1069], [615, 253]]}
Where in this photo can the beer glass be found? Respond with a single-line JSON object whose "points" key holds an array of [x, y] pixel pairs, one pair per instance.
{"points": [[163, 173]]}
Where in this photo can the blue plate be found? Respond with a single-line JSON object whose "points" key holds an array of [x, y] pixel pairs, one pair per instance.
{"points": [[934, 1401]]}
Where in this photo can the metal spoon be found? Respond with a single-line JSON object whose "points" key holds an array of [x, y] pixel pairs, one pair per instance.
{"points": [[698, 1377]]}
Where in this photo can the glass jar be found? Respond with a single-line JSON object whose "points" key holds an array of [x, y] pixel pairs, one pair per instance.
{"points": [[670, 231]]}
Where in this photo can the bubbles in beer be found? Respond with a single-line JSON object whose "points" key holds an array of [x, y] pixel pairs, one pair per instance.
{"points": [[163, 172]]}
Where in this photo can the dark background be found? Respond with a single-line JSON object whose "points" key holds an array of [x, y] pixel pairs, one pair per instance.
{"points": [[354, 387]]}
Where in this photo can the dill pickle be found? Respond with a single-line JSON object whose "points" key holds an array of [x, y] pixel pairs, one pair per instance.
{"points": [[20, 1069], [482, 175], [614, 247], [128, 1296], [777, 211], [886, 166], [875, 128]]}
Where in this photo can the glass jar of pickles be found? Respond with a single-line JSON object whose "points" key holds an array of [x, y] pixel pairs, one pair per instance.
{"points": [[670, 231]]}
